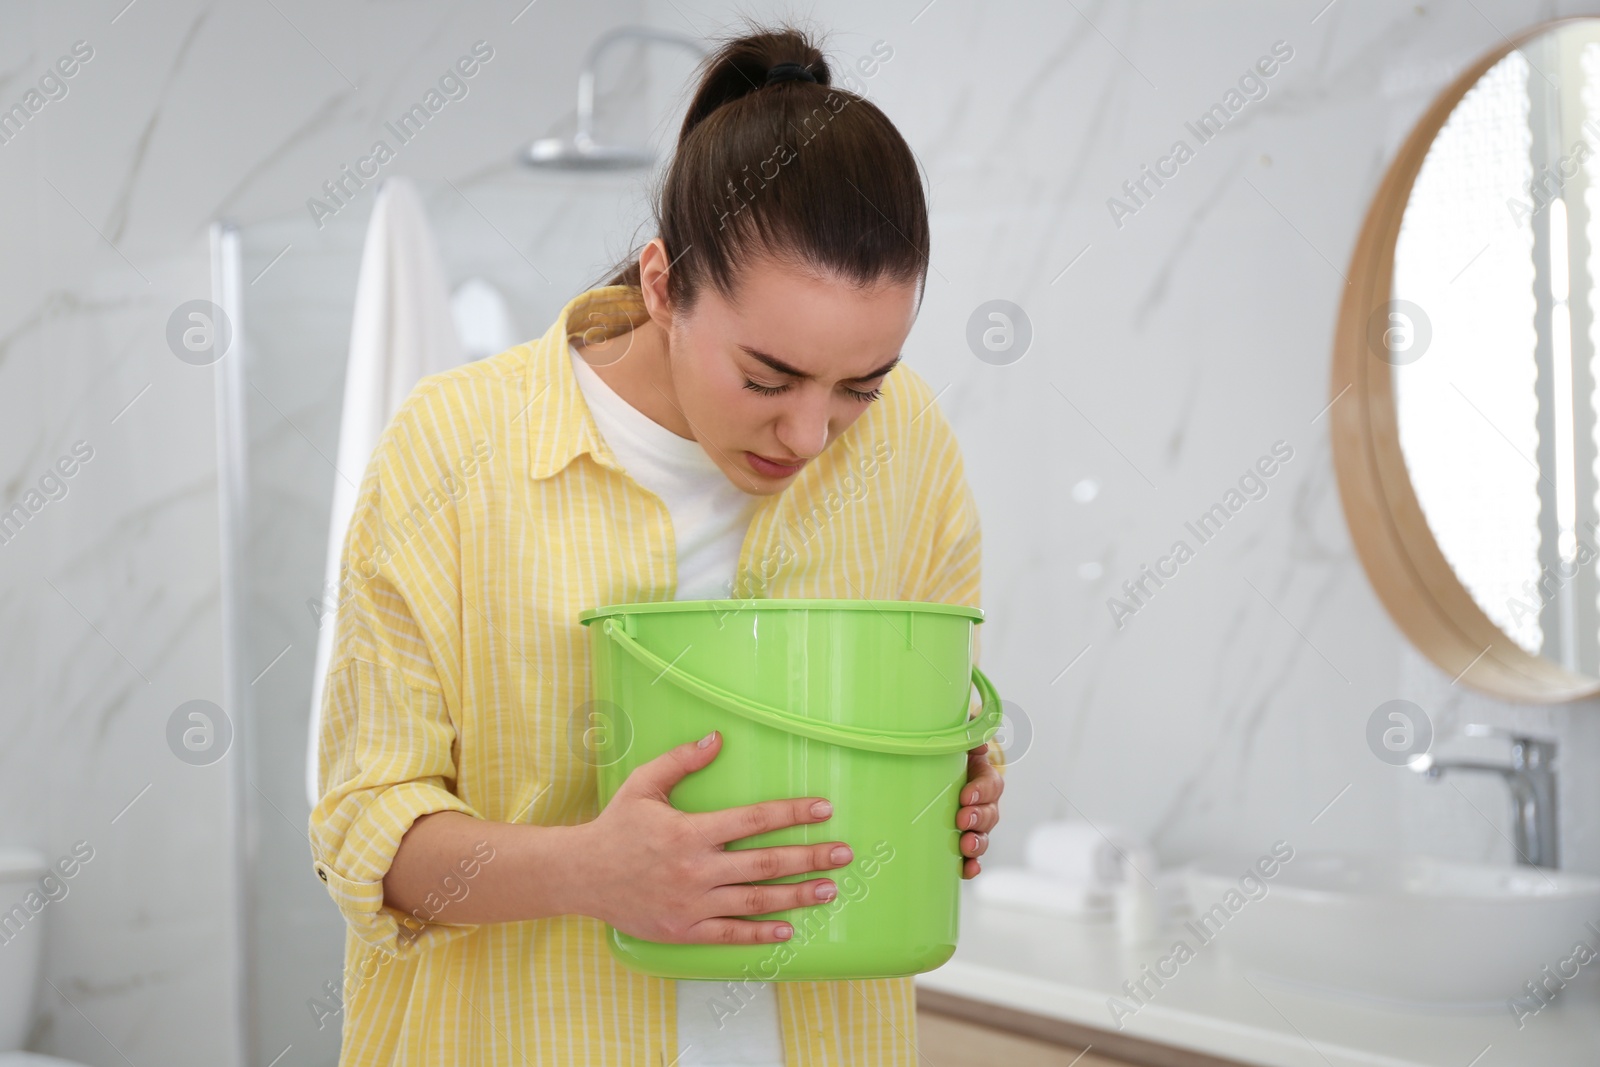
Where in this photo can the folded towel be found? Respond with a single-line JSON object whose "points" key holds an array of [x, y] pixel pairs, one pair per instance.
{"points": [[1034, 892], [1028, 890], [1099, 858]]}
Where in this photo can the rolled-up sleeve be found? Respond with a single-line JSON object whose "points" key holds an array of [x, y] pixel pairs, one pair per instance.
{"points": [[387, 744]]}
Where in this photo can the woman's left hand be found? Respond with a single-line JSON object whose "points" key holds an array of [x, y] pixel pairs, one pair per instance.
{"points": [[980, 808]]}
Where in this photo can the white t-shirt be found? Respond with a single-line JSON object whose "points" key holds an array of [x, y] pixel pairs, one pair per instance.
{"points": [[710, 516]]}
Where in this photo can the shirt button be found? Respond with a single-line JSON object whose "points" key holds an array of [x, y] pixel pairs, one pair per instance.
{"points": [[322, 874]]}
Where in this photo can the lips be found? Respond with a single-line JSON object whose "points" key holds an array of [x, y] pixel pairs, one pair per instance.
{"points": [[774, 468]]}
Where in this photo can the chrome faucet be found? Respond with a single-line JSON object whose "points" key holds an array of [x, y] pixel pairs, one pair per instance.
{"points": [[1531, 777]]}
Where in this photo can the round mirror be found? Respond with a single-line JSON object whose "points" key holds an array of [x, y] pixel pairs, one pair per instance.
{"points": [[1466, 390]]}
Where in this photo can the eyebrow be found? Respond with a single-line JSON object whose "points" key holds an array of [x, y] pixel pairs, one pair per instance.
{"points": [[783, 368]]}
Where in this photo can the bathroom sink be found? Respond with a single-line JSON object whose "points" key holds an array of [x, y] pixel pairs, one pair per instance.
{"points": [[1402, 928]]}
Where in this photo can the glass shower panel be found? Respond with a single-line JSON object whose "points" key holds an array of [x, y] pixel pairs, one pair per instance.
{"points": [[538, 239]]}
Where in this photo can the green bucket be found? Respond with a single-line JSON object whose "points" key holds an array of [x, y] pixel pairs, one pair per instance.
{"points": [[864, 702]]}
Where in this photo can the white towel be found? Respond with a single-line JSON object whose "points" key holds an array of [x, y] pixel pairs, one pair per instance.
{"points": [[1026, 890], [1097, 857], [402, 332], [483, 319], [1046, 894]]}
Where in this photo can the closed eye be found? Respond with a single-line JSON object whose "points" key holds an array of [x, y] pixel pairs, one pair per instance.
{"points": [[865, 396]]}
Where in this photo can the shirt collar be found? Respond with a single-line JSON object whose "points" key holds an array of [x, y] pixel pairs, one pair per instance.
{"points": [[560, 425]]}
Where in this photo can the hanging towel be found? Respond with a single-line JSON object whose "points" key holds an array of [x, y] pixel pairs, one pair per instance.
{"points": [[403, 331]]}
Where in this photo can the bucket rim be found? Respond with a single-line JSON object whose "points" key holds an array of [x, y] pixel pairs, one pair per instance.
{"points": [[588, 615]]}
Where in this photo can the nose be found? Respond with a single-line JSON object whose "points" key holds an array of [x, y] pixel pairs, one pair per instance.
{"points": [[804, 429]]}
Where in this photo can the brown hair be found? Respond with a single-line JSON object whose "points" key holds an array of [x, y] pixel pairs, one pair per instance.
{"points": [[812, 174]]}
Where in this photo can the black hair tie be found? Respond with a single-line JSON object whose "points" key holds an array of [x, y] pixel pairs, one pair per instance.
{"points": [[785, 71]]}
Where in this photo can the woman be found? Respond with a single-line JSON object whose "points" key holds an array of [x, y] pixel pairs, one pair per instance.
{"points": [[727, 416]]}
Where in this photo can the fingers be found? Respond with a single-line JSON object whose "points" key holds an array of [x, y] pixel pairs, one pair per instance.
{"points": [[979, 755], [980, 811], [733, 824], [745, 899], [984, 782], [778, 861], [658, 776], [734, 900], [982, 817], [738, 932]]}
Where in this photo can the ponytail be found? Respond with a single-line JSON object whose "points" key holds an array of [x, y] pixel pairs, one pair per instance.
{"points": [[799, 170]]}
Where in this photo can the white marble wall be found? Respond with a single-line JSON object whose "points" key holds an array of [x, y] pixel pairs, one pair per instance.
{"points": [[1168, 355]]}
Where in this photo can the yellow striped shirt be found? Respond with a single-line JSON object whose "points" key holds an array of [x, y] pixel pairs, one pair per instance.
{"points": [[491, 513]]}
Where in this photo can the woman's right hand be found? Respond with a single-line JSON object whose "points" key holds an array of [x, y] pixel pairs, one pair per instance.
{"points": [[662, 874]]}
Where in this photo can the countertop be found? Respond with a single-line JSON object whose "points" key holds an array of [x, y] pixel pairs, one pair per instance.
{"points": [[1067, 970]]}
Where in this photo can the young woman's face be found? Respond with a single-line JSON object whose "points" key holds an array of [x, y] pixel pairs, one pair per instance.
{"points": [[768, 382]]}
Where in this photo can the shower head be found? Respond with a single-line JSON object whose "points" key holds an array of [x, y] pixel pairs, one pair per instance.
{"points": [[582, 151]]}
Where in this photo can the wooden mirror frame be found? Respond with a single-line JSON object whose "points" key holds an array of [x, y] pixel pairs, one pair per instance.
{"points": [[1403, 561]]}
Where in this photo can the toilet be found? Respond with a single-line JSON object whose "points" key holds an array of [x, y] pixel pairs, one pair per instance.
{"points": [[21, 958]]}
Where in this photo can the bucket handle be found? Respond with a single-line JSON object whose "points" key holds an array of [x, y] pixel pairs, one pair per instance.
{"points": [[970, 734]]}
